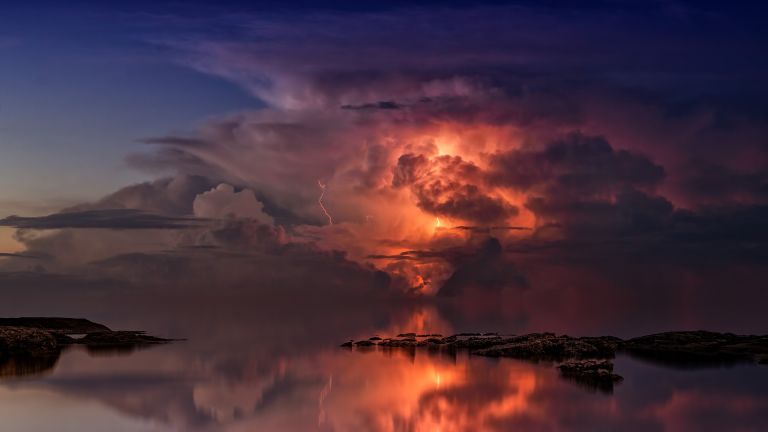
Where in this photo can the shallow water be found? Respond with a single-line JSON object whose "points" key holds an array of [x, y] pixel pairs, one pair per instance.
{"points": [[252, 372]]}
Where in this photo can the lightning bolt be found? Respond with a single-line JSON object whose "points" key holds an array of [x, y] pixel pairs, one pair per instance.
{"points": [[320, 201], [322, 416]]}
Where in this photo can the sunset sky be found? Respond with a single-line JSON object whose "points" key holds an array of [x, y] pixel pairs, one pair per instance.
{"points": [[521, 153]]}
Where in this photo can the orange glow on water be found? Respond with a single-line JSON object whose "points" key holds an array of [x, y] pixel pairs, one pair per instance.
{"points": [[428, 393]]}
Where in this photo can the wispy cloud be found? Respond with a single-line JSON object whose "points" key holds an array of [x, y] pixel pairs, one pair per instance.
{"points": [[118, 219]]}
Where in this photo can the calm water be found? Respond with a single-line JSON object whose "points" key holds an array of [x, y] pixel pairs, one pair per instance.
{"points": [[248, 368]]}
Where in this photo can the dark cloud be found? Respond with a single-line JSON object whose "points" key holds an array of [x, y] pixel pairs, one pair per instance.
{"points": [[715, 183], [22, 255], [578, 165], [487, 230], [486, 270], [118, 219], [629, 211], [381, 105], [409, 169], [465, 202], [172, 196], [443, 187], [176, 141]]}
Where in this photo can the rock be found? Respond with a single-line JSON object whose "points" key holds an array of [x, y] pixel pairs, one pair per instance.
{"points": [[407, 335], [478, 342], [27, 342], [365, 343], [548, 346], [346, 344], [692, 348], [33, 345], [399, 343], [375, 338], [120, 338], [61, 325], [41, 338], [594, 374]]}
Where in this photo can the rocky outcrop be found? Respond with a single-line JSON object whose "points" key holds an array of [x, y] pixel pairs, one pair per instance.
{"points": [[698, 347], [21, 341], [548, 346], [55, 324], [593, 374], [33, 345]]}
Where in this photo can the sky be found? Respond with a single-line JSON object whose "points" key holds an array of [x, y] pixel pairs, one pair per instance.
{"points": [[521, 158]]}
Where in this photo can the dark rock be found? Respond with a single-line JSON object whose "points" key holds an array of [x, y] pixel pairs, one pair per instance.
{"points": [[31, 342], [548, 346], [375, 338], [346, 344], [399, 343], [120, 338], [593, 374], [691, 348], [450, 339], [478, 342], [34, 345], [364, 343], [407, 335], [61, 325]]}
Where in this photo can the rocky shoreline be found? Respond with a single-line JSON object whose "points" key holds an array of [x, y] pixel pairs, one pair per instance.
{"points": [[31, 345], [587, 360]]}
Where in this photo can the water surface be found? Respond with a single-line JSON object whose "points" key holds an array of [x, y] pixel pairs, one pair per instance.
{"points": [[245, 371]]}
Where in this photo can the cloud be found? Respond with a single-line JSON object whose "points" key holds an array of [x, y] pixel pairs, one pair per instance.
{"points": [[117, 219], [715, 183], [413, 128], [381, 105], [223, 202], [21, 255], [167, 196], [578, 165]]}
